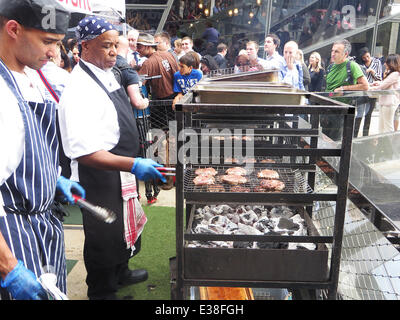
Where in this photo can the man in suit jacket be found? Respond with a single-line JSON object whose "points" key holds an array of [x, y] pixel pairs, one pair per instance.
{"points": [[220, 56]]}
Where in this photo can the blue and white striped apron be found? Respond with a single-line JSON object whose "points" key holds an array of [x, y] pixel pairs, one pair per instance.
{"points": [[33, 233]]}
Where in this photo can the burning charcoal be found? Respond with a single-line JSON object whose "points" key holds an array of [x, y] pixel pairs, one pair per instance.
{"points": [[281, 212], [202, 229], [230, 227], [217, 210], [233, 218], [272, 245], [242, 244], [240, 210], [248, 229], [216, 228], [224, 244], [259, 210], [306, 246], [225, 209], [287, 224], [208, 216], [249, 217], [264, 225], [220, 221], [297, 219]]}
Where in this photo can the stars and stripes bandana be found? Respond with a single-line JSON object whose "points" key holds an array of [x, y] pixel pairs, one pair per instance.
{"points": [[91, 27]]}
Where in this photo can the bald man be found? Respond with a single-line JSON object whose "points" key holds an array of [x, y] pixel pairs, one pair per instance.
{"points": [[128, 77], [291, 72]]}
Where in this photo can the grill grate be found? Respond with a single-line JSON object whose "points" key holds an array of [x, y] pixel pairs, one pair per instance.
{"points": [[294, 179]]}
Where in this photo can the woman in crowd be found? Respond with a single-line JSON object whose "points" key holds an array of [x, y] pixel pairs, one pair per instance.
{"points": [[178, 48], [373, 71], [317, 73], [306, 73], [242, 62], [388, 103], [208, 64]]}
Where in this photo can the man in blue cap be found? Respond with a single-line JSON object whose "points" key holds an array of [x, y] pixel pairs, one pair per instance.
{"points": [[99, 134], [31, 235]]}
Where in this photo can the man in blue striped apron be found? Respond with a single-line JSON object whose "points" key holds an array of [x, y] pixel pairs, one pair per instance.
{"points": [[99, 134], [31, 236]]}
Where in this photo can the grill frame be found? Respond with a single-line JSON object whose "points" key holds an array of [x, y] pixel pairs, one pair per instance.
{"points": [[191, 115]]}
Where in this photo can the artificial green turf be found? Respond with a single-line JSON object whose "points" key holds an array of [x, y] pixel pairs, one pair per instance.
{"points": [[70, 265], [74, 217], [158, 246]]}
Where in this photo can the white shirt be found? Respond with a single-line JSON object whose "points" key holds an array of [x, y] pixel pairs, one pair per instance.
{"points": [[12, 131], [276, 61], [57, 77], [88, 119], [131, 57]]}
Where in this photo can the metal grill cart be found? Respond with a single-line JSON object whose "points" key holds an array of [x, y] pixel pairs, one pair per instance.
{"points": [[272, 131]]}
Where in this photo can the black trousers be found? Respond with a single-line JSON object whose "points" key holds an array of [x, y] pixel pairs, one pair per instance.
{"points": [[103, 282]]}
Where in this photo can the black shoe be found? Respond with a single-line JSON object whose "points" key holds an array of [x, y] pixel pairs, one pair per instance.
{"points": [[132, 277]]}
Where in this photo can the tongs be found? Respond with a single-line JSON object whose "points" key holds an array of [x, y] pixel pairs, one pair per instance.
{"points": [[167, 171], [100, 213]]}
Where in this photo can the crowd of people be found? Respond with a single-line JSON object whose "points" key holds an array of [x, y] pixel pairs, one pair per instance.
{"points": [[42, 79]]}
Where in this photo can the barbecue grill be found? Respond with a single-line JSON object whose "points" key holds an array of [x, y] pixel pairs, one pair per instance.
{"points": [[276, 127]]}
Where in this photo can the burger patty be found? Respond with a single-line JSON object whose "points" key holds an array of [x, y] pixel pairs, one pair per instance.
{"points": [[236, 171], [233, 179], [206, 172], [240, 189], [272, 185], [204, 180], [268, 174]]}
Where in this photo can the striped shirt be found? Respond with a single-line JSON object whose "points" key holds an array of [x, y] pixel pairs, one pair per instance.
{"points": [[376, 65]]}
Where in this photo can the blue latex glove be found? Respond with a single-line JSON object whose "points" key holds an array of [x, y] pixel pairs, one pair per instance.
{"points": [[22, 284], [145, 169], [66, 186]]}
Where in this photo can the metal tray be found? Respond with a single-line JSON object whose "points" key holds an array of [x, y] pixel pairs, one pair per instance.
{"points": [[258, 76], [248, 93]]}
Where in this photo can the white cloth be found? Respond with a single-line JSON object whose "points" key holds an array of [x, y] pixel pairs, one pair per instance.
{"points": [[87, 116], [12, 131]]}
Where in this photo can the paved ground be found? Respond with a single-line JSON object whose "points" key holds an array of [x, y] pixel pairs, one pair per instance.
{"points": [[74, 238]]}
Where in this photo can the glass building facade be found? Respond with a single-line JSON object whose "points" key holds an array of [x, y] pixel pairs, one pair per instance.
{"points": [[314, 25]]}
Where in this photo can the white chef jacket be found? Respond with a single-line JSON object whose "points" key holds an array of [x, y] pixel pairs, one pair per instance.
{"points": [[87, 116], [12, 131]]}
